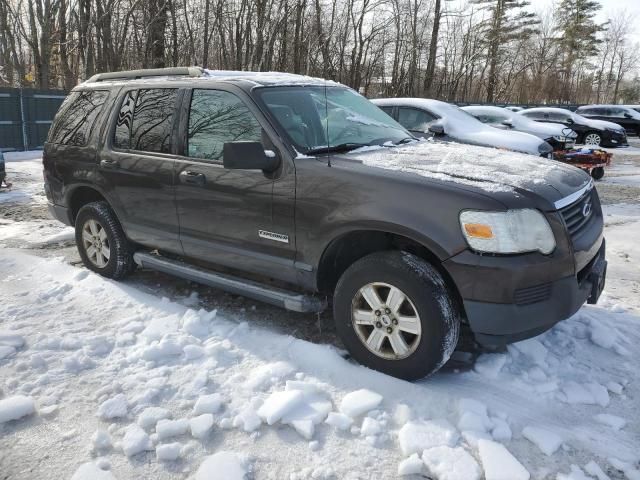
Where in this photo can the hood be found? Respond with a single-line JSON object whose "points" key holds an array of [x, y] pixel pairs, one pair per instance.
{"points": [[603, 124], [488, 169], [498, 138]]}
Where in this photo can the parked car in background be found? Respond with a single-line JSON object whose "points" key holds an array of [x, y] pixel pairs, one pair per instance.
{"points": [[624, 116], [559, 137], [513, 108], [307, 191], [590, 132], [428, 118]]}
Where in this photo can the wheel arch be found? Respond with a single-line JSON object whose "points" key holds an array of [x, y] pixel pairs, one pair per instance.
{"points": [[80, 195], [354, 244]]}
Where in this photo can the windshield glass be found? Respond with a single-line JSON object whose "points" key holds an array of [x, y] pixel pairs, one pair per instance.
{"points": [[344, 118]]}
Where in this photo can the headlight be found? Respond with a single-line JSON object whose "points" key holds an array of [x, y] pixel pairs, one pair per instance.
{"points": [[562, 138], [513, 231]]}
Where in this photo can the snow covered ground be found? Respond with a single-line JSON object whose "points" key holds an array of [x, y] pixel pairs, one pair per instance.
{"points": [[106, 380]]}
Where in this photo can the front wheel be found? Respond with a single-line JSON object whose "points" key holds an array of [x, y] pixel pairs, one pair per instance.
{"points": [[395, 313], [101, 242], [592, 139], [597, 173]]}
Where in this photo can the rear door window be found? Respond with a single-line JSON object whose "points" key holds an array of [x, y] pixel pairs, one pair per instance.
{"points": [[77, 117], [215, 118], [145, 120]]}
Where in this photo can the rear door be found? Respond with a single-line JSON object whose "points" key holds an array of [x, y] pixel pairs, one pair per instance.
{"points": [[242, 219], [137, 166]]}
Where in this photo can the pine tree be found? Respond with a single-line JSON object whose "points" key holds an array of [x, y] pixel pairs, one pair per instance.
{"points": [[577, 36], [508, 21]]}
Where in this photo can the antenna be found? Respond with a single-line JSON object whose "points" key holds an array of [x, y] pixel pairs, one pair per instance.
{"points": [[326, 115]]}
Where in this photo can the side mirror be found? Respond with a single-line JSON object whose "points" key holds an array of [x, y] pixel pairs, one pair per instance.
{"points": [[627, 115], [569, 121], [249, 156], [436, 129]]}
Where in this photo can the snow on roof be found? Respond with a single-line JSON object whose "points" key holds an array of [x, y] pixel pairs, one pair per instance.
{"points": [[267, 78]]}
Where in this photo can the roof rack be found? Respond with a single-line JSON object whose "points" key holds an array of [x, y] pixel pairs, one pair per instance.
{"points": [[149, 72]]}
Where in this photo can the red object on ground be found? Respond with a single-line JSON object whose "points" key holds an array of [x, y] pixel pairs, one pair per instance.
{"points": [[584, 158]]}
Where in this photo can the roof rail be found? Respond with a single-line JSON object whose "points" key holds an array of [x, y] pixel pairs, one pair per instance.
{"points": [[149, 72]]}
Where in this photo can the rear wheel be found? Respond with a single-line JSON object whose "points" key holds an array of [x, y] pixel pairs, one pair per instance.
{"points": [[597, 173], [592, 139], [394, 313], [101, 242]]}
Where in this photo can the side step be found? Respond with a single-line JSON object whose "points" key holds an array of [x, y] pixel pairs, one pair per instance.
{"points": [[294, 301]]}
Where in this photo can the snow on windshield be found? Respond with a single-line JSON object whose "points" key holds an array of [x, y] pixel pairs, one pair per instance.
{"points": [[490, 169]]}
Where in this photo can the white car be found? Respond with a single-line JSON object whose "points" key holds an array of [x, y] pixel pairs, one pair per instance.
{"points": [[433, 118], [558, 136]]}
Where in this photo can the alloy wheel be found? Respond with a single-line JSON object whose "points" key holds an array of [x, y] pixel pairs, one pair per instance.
{"points": [[386, 321], [592, 139], [96, 243]]}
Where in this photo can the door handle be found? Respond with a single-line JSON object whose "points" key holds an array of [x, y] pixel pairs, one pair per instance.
{"points": [[109, 163], [193, 178]]}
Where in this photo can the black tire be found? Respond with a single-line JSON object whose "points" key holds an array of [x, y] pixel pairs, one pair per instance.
{"points": [[428, 293], [120, 262], [597, 173]]}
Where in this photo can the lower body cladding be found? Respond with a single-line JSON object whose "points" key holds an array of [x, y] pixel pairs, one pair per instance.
{"points": [[532, 309]]}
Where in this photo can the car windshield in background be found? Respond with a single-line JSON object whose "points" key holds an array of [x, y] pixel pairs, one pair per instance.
{"points": [[319, 119]]}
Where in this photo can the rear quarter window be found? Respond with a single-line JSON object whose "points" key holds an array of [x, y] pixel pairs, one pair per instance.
{"points": [[75, 120]]}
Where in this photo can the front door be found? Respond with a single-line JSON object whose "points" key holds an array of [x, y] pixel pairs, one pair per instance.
{"points": [[242, 219]]}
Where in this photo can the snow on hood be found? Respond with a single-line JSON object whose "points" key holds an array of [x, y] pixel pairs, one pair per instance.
{"points": [[489, 169], [590, 122]]}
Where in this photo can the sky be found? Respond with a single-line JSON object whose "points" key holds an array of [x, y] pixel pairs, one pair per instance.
{"points": [[609, 7]]}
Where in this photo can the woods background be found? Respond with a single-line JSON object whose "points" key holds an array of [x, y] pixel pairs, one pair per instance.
{"points": [[455, 50]]}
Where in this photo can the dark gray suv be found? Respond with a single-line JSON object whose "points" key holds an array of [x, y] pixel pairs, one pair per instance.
{"points": [[300, 192]]}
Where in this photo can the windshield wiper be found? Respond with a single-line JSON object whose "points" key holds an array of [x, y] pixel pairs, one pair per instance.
{"points": [[341, 147]]}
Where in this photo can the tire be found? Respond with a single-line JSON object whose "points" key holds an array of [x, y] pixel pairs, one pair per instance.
{"points": [[597, 173], [426, 294], [592, 138], [96, 220]]}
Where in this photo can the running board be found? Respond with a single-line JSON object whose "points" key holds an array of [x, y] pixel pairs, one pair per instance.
{"points": [[294, 301]]}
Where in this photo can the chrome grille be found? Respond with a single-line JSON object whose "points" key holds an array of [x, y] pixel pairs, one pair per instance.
{"points": [[579, 214]]}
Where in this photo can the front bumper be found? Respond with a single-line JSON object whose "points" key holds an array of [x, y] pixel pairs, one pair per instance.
{"points": [[615, 140], [535, 309]]}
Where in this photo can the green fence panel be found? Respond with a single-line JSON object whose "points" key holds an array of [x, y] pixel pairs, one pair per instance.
{"points": [[26, 115]]}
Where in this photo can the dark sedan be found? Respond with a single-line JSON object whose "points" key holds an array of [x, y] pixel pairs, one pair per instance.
{"points": [[590, 132], [623, 116]]}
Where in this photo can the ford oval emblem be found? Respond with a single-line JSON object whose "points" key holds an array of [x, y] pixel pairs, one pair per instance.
{"points": [[586, 209]]}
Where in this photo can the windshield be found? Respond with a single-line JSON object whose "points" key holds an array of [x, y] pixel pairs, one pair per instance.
{"points": [[319, 118]]}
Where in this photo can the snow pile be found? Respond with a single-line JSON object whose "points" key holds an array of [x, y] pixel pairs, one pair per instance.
{"points": [[135, 440], [417, 436], [155, 386], [446, 463], [14, 408], [498, 463], [90, 471], [547, 441], [223, 465]]}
